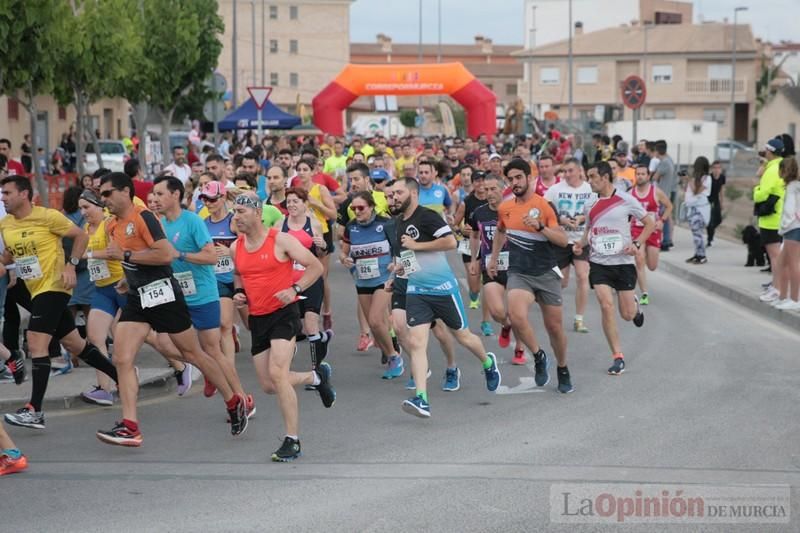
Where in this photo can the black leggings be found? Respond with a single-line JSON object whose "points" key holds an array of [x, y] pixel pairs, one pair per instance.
{"points": [[716, 220], [19, 295]]}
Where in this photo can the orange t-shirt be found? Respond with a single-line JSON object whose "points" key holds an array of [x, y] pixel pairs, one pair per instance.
{"points": [[138, 231], [530, 252]]}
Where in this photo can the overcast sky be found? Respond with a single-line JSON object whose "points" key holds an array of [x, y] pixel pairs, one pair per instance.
{"points": [[501, 20]]}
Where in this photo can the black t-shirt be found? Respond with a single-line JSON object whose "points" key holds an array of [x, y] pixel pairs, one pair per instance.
{"points": [[471, 203], [342, 217], [716, 188]]}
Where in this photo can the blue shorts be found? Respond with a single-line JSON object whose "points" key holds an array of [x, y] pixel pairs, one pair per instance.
{"points": [[792, 235], [108, 300], [205, 316]]}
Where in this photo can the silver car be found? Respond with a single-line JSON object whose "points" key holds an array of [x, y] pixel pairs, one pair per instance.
{"points": [[114, 156]]}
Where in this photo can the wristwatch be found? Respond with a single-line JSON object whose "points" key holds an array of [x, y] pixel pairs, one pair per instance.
{"points": [[74, 261], [637, 244], [126, 256], [297, 288]]}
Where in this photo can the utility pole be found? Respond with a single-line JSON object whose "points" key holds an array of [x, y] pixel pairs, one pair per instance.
{"points": [[733, 78], [253, 32], [263, 48], [569, 61], [531, 46], [234, 67], [439, 48]]}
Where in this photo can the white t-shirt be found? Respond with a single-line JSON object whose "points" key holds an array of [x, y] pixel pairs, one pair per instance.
{"points": [[654, 161], [571, 202], [609, 225], [183, 173]]}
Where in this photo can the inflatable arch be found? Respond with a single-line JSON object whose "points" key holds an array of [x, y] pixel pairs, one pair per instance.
{"points": [[404, 80]]}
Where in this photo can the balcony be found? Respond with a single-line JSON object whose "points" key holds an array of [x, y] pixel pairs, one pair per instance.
{"points": [[708, 87]]}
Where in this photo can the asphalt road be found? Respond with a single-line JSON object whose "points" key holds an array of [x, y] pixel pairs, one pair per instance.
{"points": [[709, 398]]}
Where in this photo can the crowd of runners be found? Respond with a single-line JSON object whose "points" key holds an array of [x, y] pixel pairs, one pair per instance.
{"points": [[245, 242]]}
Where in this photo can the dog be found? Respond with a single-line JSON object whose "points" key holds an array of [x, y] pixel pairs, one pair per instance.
{"points": [[756, 253]]}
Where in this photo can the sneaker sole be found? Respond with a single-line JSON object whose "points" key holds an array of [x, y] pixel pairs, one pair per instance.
{"points": [[412, 409], [22, 424], [276, 459], [499, 375], [571, 389], [519, 362], [610, 373], [129, 443], [104, 403]]}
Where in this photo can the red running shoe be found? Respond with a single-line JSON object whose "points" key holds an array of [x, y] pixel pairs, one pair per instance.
{"points": [[8, 465], [505, 337], [120, 435], [209, 389], [519, 357]]}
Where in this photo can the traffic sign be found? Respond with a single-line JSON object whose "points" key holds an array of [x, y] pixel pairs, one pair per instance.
{"points": [[260, 95], [213, 110], [633, 92], [217, 83]]}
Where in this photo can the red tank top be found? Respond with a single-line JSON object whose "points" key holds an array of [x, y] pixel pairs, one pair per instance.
{"points": [[648, 201], [541, 188], [262, 275]]}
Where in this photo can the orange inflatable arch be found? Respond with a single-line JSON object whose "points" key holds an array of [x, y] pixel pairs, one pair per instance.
{"points": [[402, 79]]}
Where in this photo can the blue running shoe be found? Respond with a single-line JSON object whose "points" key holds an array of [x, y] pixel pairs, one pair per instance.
{"points": [[411, 384], [492, 374], [395, 368], [542, 377], [452, 380], [486, 329], [418, 407]]}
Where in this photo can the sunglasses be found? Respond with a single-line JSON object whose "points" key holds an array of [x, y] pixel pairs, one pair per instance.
{"points": [[208, 200], [108, 193], [359, 208], [247, 201]]}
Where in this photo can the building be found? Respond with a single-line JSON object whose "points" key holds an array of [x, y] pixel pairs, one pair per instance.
{"points": [[781, 114], [687, 69], [295, 46], [787, 55]]}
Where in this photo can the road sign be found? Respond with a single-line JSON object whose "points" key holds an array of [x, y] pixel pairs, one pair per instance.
{"points": [[260, 95], [213, 110], [633, 92], [217, 83]]}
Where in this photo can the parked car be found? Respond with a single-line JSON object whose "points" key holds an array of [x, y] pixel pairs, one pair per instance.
{"points": [[114, 156], [728, 149]]}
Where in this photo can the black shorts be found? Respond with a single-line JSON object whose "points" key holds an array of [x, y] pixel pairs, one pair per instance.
{"points": [[313, 300], [282, 324], [425, 309], [328, 238], [565, 256], [769, 236], [172, 317], [618, 277], [399, 288], [501, 278], [225, 289], [49, 314], [467, 259], [369, 290]]}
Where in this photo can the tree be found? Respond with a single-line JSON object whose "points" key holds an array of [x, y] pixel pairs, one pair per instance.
{"points": [[29, 31]]}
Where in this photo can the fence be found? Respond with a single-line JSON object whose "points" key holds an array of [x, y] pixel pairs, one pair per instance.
{"points": [[56, 185]]}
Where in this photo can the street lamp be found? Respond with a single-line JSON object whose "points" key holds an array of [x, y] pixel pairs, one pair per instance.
{"points": [[733, 74], [531, 46]]}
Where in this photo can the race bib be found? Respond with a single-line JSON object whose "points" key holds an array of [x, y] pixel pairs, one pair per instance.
{"points": [[186, 282], [502, 261], [28, 267], [463, 247], [409, 261], [98, 269], [156, 293], [224, 265], [367, 268], [608, 244]]}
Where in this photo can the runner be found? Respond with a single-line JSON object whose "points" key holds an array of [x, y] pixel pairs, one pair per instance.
{"points": [[368, 244], [484, 226], [569, 198], [657, 203], [611, 257], [547, 174], [264, 260], [32, 236], [155, 301], [530, 226], [432, 291], [433, 194]]}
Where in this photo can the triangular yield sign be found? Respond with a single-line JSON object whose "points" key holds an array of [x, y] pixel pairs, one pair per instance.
{"points": [[260, 95]]}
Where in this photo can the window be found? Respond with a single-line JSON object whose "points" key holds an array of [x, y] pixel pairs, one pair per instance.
{"points": [[293, 12], [273, 46], [273, 12], [587, 75], [663, 114], [293, 79], [719, 72], [716, 114], [13, 109], [662, 73], [549, 75], [62, 113], [490, 86], [273, 79], [511, 89], [293, 46]]}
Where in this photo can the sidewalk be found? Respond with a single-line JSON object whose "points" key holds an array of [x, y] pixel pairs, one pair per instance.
{"points": [[724, 274]]}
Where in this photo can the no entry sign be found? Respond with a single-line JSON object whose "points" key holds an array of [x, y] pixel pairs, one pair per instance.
{"points": [[633, 92]]}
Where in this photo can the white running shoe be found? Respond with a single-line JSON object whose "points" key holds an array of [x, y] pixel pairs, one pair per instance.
{"points": [[770, 295], [788, 305]]}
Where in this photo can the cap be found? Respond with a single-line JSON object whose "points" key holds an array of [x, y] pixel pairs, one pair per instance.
{"points": [[774, 145], [495, 156], [379, 174], [212, 190], [620, 153]]}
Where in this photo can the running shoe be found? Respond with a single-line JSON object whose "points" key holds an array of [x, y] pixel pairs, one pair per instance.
{"points": [[251, 406], [238, 417], [289, 451], [16, 365], [120, 435], [519, 357], [770, 295], [692, 259], [644, 299], [638, 318], [505, 337], [492, 374], [540, 364], [209, 389], [474, 304], [411, 384], [564, 381], [618, 367], [327, 321], [235, 335], [701, 260], [396, 368], [184, 379], [326, 391], [66, 368], [452, 380], [12, 465], [6, 376], [788, 305], [579, 326], [486, 329], [98, 396], [26, 417], [766, 286], [365, 342], [418, 407]]}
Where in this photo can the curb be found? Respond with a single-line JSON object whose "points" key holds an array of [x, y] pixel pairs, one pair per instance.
{"points": [[742, 298], [159, 385]]}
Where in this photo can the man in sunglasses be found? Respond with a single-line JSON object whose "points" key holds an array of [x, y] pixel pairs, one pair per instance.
{"points": [[263, 260], [155, 301]]}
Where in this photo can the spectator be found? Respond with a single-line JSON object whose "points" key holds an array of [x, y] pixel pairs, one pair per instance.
{"points": [[13, 167], [789, 259], [141, 188], [768, 199], [666, 177], [717, 183], [699, 208]]}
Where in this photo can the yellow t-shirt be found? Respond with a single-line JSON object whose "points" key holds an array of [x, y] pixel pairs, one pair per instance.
{"points": [[381, 206], [99, 241], [35, 243], [400, 163], [316, 194], [333, 163]]}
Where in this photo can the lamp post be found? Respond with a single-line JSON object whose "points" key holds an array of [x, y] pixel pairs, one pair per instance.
{"points": [[569, 61], [531, 46], [733, 75], [233, 60]]}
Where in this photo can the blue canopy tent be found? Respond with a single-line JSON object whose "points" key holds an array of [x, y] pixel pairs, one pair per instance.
{"points": [[245, 117]]}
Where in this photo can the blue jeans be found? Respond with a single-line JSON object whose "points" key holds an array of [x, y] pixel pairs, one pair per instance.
{"points": [[666, 239]]}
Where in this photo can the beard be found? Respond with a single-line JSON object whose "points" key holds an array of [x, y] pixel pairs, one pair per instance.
{"points": [[521, 191], [397, 209]]}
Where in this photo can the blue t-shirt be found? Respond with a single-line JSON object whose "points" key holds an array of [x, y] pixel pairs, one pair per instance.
{"points": [[261, 188], [430, 271], [436, 197], [371, 247], [188, 233]]}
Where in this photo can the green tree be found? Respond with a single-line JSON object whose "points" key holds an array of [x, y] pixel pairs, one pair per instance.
{"points": [[29, 32]]}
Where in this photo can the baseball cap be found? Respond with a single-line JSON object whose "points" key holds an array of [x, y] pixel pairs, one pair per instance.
{"points": [[495, 156], [620, 153], [379, 174], [212, 190], [774, 145]]}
